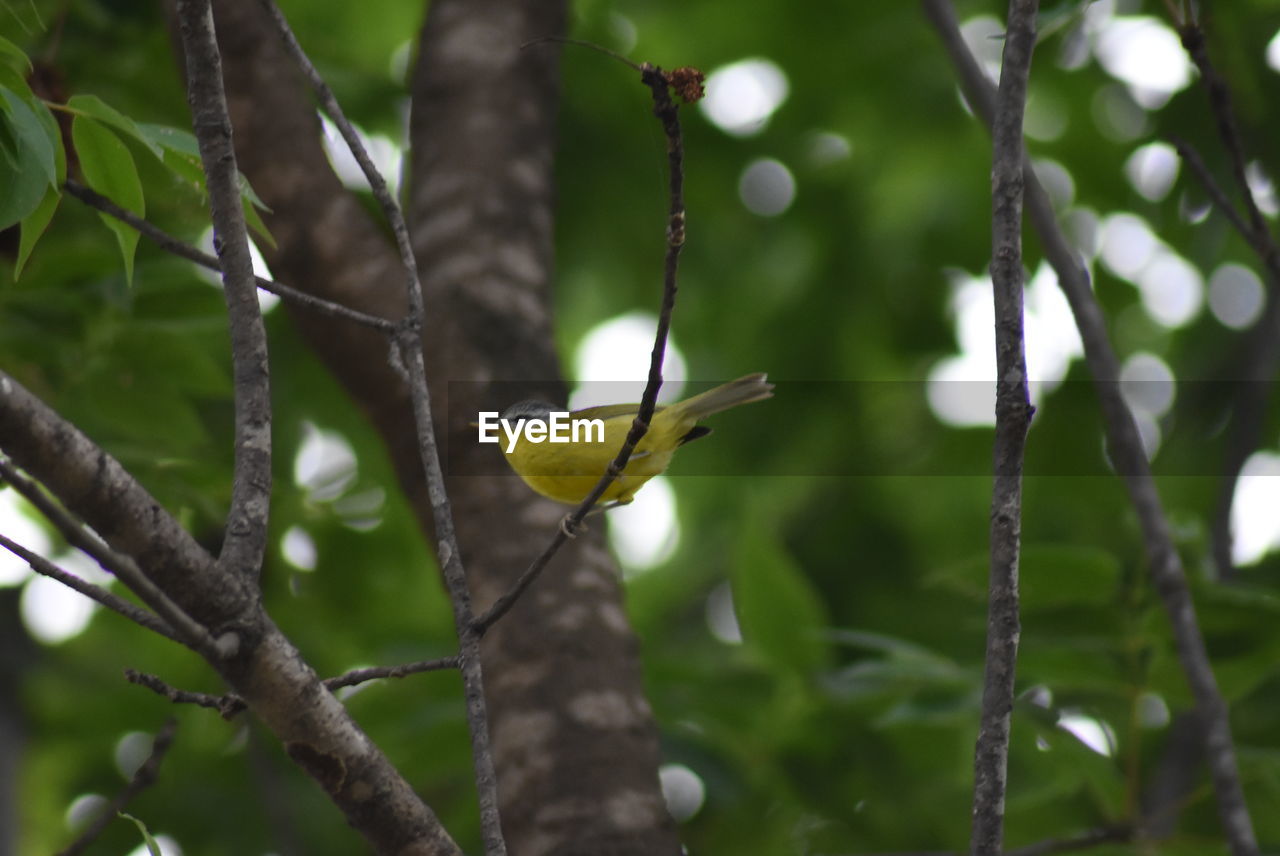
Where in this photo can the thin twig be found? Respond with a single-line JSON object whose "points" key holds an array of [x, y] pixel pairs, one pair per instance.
{"points": [[245, 540], [1219, 196], [111, 601], [1193, 41], [1127, 454], [359, 676], [228, 704], [76, 533], [408, 341], [583, 43], [170, 244], [1262, 348], [144, 777], [1092, 838], [174, 619], [666, 111], [1013, 418], [1261, 357], [251, 652]]}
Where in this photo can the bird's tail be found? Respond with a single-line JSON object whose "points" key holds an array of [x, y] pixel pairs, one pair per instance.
{"points": [[744, 390]]}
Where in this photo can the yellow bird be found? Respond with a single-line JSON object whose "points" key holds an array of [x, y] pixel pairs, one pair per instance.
{"points": [[567, 471]]}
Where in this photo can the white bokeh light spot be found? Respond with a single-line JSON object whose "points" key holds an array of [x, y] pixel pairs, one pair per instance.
{"points": [[167, 844], [743, 95], [1235, 295], [767, 187], [325, 464], [984, 36], [1146, 55], [1152, 170], [1172, 290], [1262, 188], [645, 533], [683, 790], [1255, 526], [387, 157], [1057, 182], [612, 363], [1094, 733], [960, 389], [299, 548], [1273, 52], [20, 528], [53, 613], [266, 300], [1127, 244], [1146, 384], [722, 618]]}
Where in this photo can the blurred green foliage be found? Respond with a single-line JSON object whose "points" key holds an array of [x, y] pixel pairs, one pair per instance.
{"points": [[845, 720]]}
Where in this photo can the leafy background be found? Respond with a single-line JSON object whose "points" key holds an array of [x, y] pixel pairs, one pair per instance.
{"points": [[852, 528]]}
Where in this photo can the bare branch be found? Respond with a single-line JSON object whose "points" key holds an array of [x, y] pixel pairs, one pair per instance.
{"points": [[144, 777], [73, 530], [659, 82], [111, 601], [250, 652], [1128, 456], [230, 704], [1219, 196], [246, 533], [227, 705], [408, 342], [1092, 838], [1193, 41], [359, 676], [390, 208], [1013, 418], [172, 622], [170, 244], [172, 619], [1261, 358]]}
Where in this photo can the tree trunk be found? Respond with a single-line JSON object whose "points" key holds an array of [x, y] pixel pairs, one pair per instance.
{"points": [[575, 745]]}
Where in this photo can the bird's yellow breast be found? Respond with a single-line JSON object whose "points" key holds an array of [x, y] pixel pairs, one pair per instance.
{"points": [[567, 472]]}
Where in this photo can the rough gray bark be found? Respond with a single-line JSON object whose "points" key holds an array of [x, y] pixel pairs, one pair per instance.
{"points": [[573, 738], [252, 655]]}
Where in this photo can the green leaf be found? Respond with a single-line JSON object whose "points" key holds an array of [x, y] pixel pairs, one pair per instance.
{"points": [[778, 610], [54, 133], [109, 169], [34, 147], [10, 51], [33, 226], [25, 189], [181, 154], [171, 139], [134, 412], [251, 203], [153, 846], [29, 162], [95, 107], [1054, 575]]}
